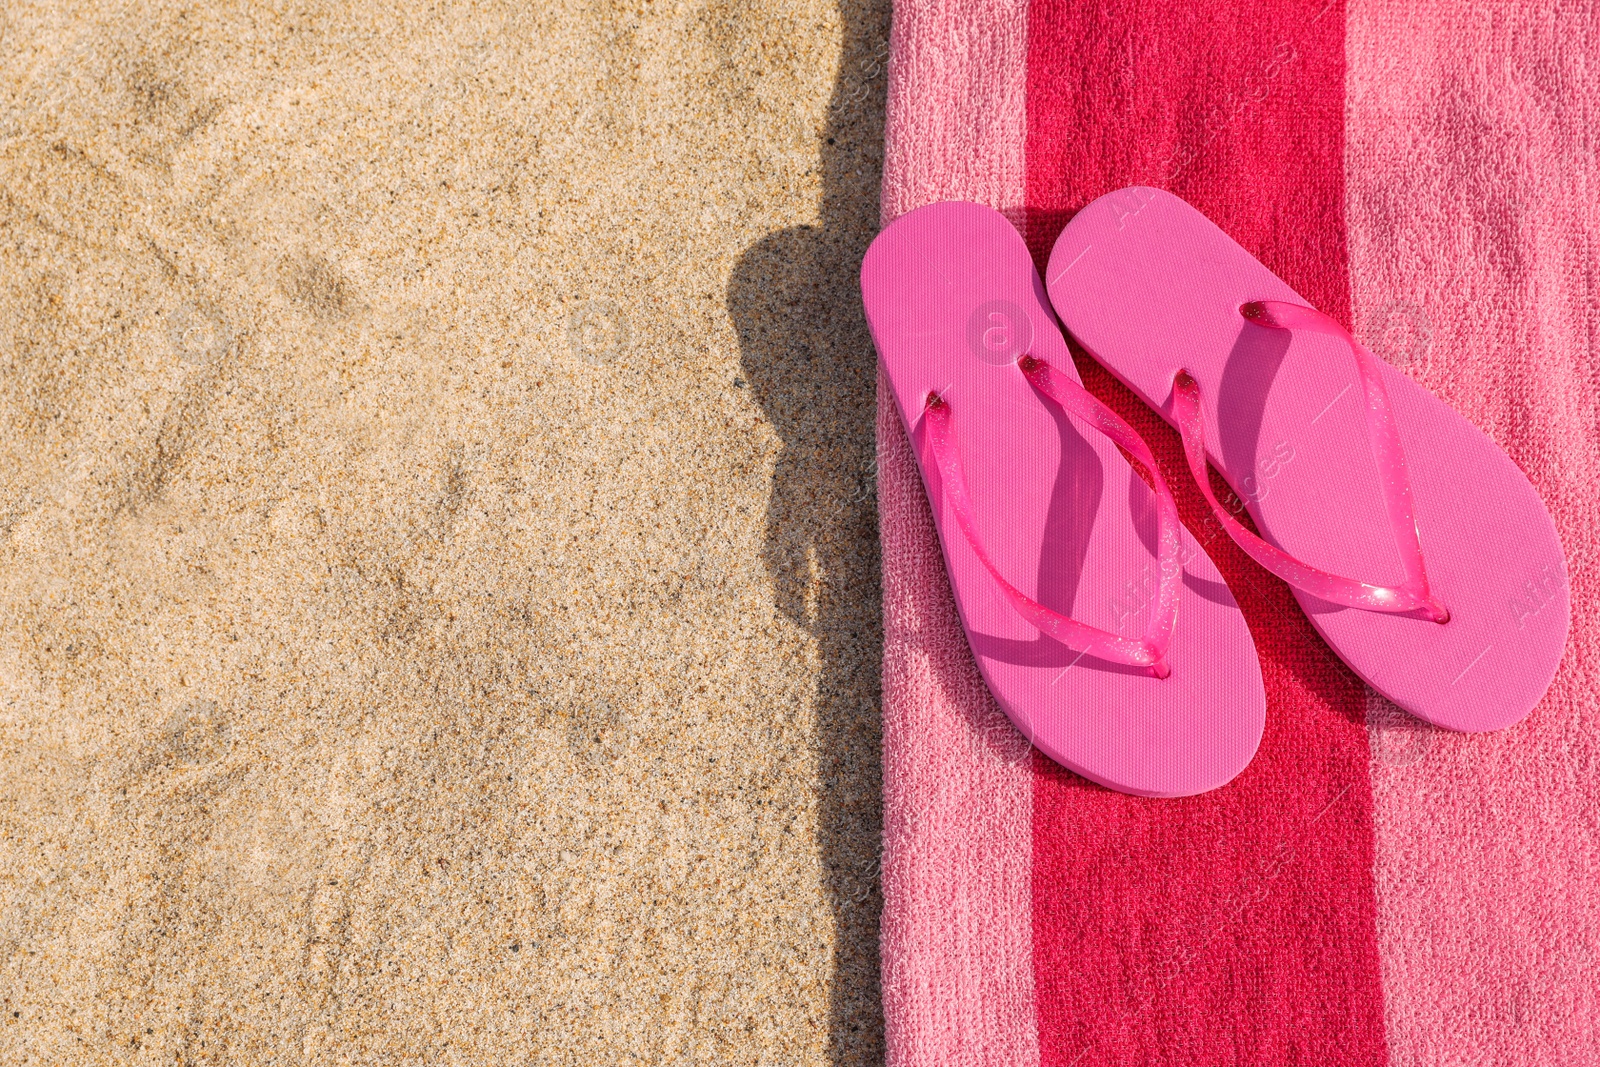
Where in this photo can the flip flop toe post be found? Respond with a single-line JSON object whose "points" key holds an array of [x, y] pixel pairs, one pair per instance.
{"points": [[1101, 628]]}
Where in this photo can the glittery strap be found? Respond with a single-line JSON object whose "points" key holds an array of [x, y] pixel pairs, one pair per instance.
{"points": [[1149, 651], [1384, 436]]}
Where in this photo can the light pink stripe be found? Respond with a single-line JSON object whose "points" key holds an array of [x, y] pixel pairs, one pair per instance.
{"points": [[958, 802], [1472, 203]]}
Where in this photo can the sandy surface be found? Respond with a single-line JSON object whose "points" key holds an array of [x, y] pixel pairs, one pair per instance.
{"points": [[438, 578]]}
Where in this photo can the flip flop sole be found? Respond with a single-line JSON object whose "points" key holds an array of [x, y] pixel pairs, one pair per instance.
{"points": [[953, 301], [1149, 285]]}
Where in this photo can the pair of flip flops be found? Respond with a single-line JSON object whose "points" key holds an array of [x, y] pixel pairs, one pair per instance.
{"points": [[1418, 549]]}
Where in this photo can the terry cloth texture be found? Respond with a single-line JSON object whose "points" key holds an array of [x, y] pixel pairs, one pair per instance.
{"points": [[957, 922], [1371, 890]]}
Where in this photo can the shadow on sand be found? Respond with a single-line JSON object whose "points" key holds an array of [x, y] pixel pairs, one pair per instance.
{"points": [[809, 363]]}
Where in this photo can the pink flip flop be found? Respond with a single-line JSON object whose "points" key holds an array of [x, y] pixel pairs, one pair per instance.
{"points": [[1101, 628], [1416, 546]]}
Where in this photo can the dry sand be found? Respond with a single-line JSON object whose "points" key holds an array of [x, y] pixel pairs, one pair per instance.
{"points": [[438, 577]]}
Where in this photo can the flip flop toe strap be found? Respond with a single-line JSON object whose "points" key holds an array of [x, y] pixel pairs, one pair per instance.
{"points": [[1412, 594], [1148, 651]]}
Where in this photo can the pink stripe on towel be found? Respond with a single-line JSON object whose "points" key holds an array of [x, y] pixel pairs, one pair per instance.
{"points": [[1472, 204], [958, 816]]}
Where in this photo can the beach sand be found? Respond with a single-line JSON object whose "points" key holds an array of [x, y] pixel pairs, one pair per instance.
{"points": [[439, 614]]}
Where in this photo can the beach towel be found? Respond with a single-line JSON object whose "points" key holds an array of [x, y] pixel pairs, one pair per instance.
{"points": [[1371, 890]]}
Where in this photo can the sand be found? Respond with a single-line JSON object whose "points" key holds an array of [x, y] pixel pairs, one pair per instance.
{"points": [[439, 612]]}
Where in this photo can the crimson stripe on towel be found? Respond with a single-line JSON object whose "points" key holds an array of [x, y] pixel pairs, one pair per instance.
{"points": [[1236, 927]]}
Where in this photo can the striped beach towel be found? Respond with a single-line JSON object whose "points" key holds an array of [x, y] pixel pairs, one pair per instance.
{"points": [[1371, 890]]}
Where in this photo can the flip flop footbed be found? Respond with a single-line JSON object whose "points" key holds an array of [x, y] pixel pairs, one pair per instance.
{"points": [[1149, 285], [953, 301]]}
